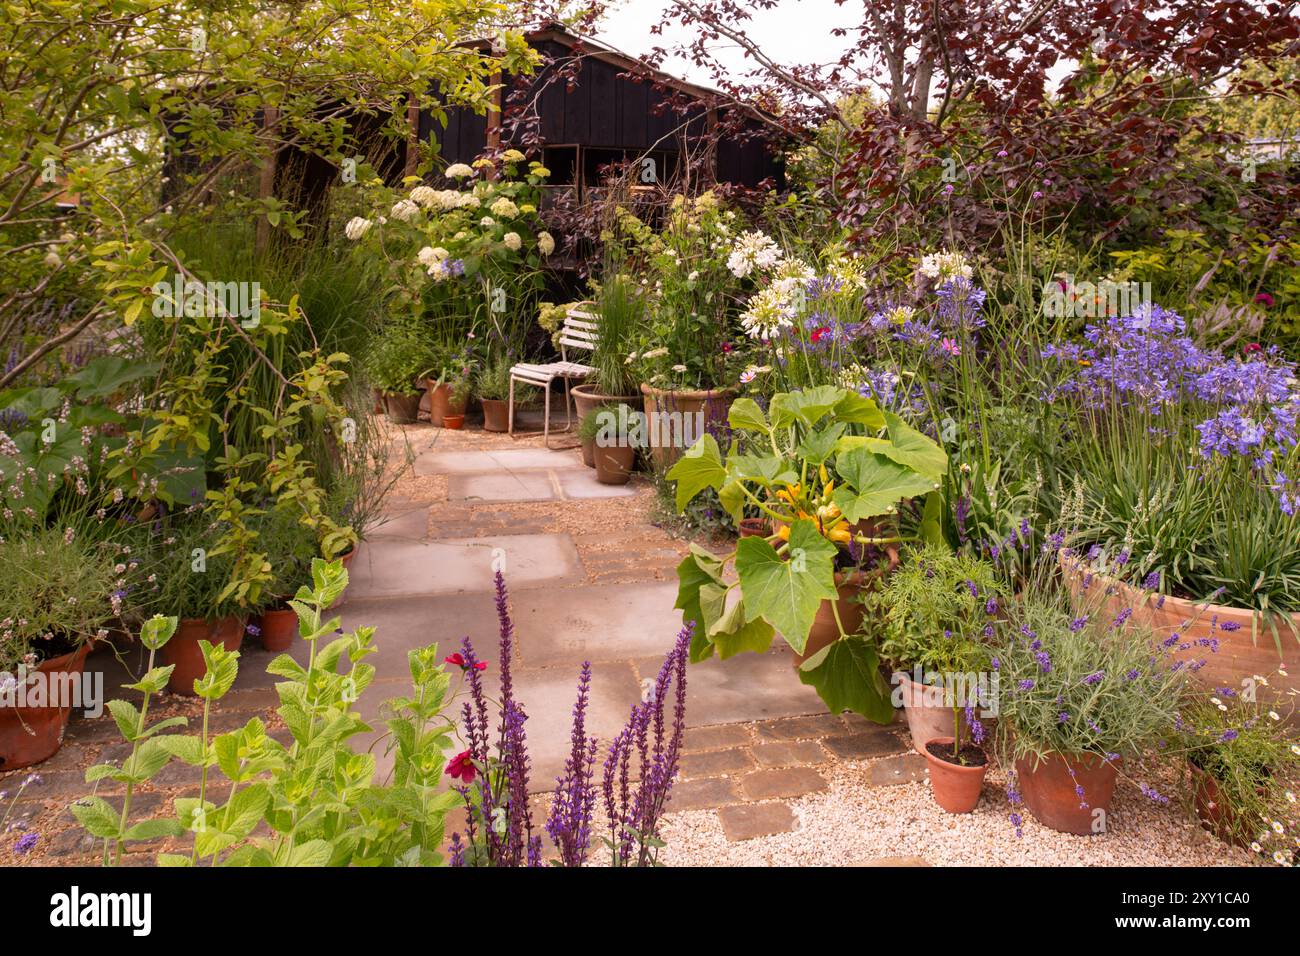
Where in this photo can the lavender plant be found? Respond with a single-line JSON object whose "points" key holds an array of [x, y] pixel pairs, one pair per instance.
{"points": [[493, 770]]}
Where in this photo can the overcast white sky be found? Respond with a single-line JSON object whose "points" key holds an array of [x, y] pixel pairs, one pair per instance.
{"points": [[796, 31]]}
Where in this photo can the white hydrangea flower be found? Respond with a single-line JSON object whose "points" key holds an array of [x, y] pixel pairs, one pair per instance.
{"points": [[430, 255], [503, 208], [459, 171], [945, 265], [545, 243], [512, 241], [487, 222], [405, 210], [357, 227], [426, 196], [753, 251]]}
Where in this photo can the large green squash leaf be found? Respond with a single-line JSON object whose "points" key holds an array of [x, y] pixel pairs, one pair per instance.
{"points": [[787, 593], [700, 468], [875, 484], [846, 675]]}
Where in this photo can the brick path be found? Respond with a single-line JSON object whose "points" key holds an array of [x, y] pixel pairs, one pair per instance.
{"points": [[591, 578]]}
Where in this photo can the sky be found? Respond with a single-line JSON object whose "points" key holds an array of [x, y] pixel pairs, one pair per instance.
{"points": [[795, 31]]}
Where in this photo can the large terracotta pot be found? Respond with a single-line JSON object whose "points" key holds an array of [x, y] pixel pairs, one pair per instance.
{"points": [[754, 528], [824, 631], [279, 628], [689, 414], [614, 463], [588, 398], [955, 788], [1238, 656], [183, 649], [925, 721], [1048, 791], [589, 452], [495, 414], [440, 402], [403, 409], [29, 735]]}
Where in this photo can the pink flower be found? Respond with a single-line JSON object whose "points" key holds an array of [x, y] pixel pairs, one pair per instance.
{"points": [[950, 346], [461, 767], [1265, 300]]}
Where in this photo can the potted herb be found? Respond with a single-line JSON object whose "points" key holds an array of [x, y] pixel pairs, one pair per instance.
{"points": [[494, 393], [1078, 694], [57, 596], [615, 443], [935, 609], [831, 470], [449, 392], [396, 359], [588, 429], [290, 547], [1244, 765], [191, 585], [620, 317]]}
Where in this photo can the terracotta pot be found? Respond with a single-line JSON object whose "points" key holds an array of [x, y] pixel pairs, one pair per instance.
{"points": [[403, 409], [614, 464], [279, 628], [183, 648], [454, 422], [495, 414], [29, 735], [588, 398], [347, 566], [824, 631], [1048, 790], [440, 402], [589, 452], [1238, 655], [754, 527], [955, 788], [690, 413], [1216, 816], [378, 405], [925, 721]]}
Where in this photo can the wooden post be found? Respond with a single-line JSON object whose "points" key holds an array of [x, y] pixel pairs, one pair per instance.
{"points": [[266, 181], [494, 120]]}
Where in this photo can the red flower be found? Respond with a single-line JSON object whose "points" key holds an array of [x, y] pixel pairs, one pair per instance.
{"points": [[820, 333], [1252, 348], [460, 662], [727, 347], [1265, 300], [461, 767]]}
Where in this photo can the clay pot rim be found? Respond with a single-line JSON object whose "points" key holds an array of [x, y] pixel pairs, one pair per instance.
{"points": [[931, 758], [55, 664], [1191, 608], [688, 393], [588, 391]]}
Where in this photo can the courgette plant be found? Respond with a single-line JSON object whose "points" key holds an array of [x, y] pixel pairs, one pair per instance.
{"points": [[820, 461]]}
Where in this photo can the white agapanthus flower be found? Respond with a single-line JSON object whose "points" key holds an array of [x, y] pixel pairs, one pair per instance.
{"points": [[503, 208], [512, 241], [405, 210], [357, 227], [772, 309], [942, 266], [545, 243], [459, 171], [753, 251]]}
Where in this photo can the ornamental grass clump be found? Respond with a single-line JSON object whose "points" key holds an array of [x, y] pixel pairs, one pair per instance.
{"points": [[493, 770]]}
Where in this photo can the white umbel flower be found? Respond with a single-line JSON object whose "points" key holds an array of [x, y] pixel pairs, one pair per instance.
{"points": [[942, 266], [753, 251]]}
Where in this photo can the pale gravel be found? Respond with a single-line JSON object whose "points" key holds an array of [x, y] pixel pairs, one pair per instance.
{"points": [[851, 824]]}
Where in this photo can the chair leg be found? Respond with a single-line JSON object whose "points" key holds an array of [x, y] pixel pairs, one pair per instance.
{"points": [[568, 420], [546, 416], [510, 409]]}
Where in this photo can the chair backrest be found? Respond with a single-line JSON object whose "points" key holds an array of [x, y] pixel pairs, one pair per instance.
{"points": [[580, 330]]}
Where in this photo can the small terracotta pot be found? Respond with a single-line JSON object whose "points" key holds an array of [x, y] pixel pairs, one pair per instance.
{"points": [[403, 409], [955, 788], [587, 398], [925, 721], [279, 628], [754, 528], [1048, 790], [183, 649], [614, 464], [454, 422], [495, 414], [589, 452], [440, 402], [29, 735], [1215, 815], [710, 406]]}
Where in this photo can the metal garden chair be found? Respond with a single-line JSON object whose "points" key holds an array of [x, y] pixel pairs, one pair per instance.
{"points": [[579, 332]]}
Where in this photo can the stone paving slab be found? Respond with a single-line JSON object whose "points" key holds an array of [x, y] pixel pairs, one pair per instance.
{"points": [[503, 486], [600, 623], [583, 484], [411, 524], [391, 567], [493, 461], [743, 688]]}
